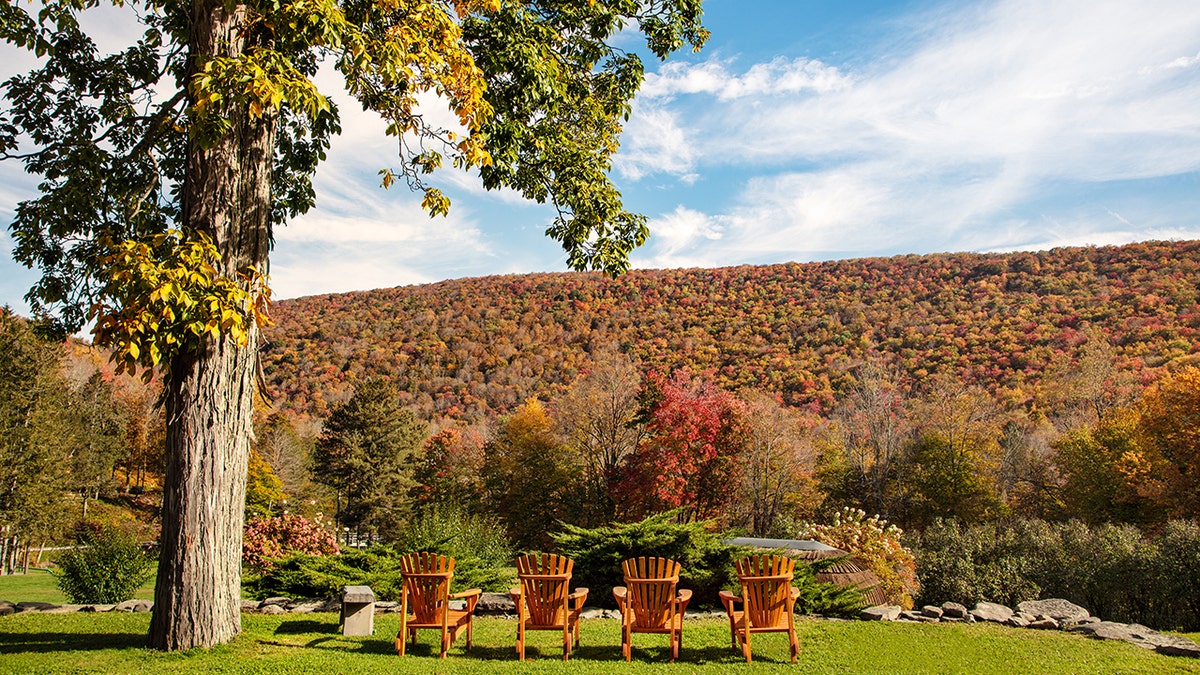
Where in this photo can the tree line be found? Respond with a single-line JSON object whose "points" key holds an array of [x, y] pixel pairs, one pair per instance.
{"points": [[623, 443], [70, 433]]}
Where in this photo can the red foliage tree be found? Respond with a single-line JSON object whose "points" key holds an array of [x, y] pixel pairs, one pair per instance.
{"points": [[690, 457]]}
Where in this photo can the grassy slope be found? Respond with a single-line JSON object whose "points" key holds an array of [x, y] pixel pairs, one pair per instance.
{"points": [[111, 643]]}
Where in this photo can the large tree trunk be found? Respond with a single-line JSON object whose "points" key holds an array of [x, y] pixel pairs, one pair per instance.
{"points": [[209, 397]]}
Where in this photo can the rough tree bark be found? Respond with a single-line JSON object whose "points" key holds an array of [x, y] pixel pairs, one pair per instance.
{"points": [[209, 396]]}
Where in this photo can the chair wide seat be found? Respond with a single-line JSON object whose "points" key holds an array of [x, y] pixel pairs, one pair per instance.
{"points": [[544, 601], [650, 602], [767, 602], [425, 601]]}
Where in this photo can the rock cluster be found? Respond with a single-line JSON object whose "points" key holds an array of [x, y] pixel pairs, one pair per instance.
{"points": [[1052, 614], [7, 607]]}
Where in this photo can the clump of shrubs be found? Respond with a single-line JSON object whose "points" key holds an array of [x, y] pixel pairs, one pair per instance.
{"points": [[316, 576], [481, 552], [706, 562], [108, 567], [1116, 571], [875, 542], [267, 539]]}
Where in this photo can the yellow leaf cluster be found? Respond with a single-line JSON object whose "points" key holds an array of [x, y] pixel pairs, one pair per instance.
{"points": [[163, 296], [390, 53]]}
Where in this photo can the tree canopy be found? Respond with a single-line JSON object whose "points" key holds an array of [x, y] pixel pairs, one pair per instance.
{"points": [[539, 92]]}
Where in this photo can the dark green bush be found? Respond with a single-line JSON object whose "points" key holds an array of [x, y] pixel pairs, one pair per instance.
{"points": [[306, 576], [1115, 571], [1178, 570], [108, 568], [598, 552], [481, 552]]}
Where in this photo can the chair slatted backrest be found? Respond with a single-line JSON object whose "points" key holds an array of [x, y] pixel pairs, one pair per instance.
{"points": [[545, 580], [426, 578], [651, 584], [766, 580]]}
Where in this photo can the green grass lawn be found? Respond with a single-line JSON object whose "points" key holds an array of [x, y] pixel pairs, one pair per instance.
{"points": [[38, 586], [112, 643]]}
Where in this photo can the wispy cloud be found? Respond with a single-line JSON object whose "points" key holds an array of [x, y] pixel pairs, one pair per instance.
{"points": [[962, 140], [777, 77]]}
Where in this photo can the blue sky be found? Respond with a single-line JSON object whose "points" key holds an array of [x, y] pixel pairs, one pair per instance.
{"points": [[812, 131]]}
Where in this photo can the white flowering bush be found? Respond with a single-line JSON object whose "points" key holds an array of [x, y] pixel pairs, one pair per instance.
{"points": [[876, 543]]}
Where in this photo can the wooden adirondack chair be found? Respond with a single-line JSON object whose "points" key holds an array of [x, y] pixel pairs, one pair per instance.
{"points": [[650, 603], [543, 599], [768, 600], [425, 600]]}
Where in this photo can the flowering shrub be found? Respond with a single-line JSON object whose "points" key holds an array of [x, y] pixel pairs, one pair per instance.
{"points": [[267, 539], [875, 542]]}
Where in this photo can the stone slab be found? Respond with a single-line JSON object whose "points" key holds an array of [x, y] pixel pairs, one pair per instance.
{"points": [[1055, 608]]}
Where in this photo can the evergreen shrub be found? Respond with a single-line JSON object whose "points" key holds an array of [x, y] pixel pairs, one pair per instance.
{"points": [[108, 567], [308, 576], [482, 555], [482, 559], [706, 560]]}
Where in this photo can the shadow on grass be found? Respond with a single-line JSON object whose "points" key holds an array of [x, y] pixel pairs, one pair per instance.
{"points": [[43, 643], [305, 626]]}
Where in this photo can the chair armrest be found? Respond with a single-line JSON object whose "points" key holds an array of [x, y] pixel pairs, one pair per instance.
{"points": [[682, 599], [728, 599], [471, 595], [794, 593], [578, 597], [621, 595]]}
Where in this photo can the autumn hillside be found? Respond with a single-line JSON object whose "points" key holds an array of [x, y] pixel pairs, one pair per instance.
{"points": [[475, 347]]}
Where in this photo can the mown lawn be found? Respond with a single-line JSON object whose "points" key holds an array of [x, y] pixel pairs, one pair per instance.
{"points": [[112, 643], [38, 586]]}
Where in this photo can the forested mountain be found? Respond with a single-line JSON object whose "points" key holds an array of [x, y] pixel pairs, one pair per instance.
{"points": [[471, 348]]}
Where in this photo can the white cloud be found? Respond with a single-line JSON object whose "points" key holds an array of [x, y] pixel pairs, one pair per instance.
{"points": [[713, 76], [961, 141], [675, 237], [657, 144]]}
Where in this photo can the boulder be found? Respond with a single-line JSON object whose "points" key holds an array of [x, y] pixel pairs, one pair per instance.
{"points": [[1017, 621], [272, 609], [249, 605], [133, 606], [97, 608], [307, 606], [280, 601], [597, 613], [495, 603], [1136, 634], [953, 610], [932, 611], [1044, 624], [880, 613], [1055, 608], [64, 609], [919, 617], [990, 611], [5, 610], [34, 606]]}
